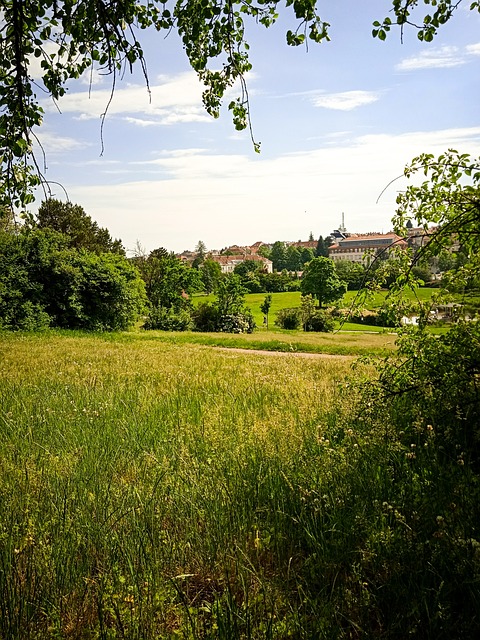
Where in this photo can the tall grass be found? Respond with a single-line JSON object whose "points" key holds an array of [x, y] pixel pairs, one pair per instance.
{"points": [[138, 482], [156, 490]]}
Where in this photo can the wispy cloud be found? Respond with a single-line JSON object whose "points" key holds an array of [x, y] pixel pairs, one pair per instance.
{"points": [[473, 49], [442, 58], [171, 100], [346, 100], [52, 143]]}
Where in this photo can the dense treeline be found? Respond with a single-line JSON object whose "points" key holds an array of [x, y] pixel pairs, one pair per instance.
{"points": [[77, 278]]}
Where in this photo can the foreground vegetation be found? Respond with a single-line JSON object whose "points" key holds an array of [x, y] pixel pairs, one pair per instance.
{"points": [[158, 490]]}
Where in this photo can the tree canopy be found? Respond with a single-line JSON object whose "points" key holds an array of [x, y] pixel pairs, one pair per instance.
{"points": [[83, 232], [320, 280], [71, 36]]}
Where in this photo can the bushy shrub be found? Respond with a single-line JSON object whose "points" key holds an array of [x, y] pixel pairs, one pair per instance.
{"points": [[236, 323], [205, 317], [26, 316], [43, 282], [319, 321], [289, 318], [168, 320]]}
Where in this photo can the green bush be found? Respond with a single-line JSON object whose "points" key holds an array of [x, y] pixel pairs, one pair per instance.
{"points": [[168, 320], [205, 317], [319, 321], [290, 319], [44, 282]]}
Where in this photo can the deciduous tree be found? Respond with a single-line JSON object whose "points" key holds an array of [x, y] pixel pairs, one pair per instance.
{"points": [[105, 35], [321, 281], [72, 220]]}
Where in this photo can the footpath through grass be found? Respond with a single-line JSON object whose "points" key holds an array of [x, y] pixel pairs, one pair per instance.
{"points": [[341, 343]]}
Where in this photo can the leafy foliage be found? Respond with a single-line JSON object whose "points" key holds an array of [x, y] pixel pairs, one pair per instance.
{"points": [[168, 320], [71, 220], [44, 282], [168, 281], [92, 33], [314, 319], [290, 319], [320, 280], [211, 273], [405, 12]]}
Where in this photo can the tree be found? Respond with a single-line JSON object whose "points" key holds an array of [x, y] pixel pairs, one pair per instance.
{"points": [[450, 199], [306, 255], [353, 273], [321, 281], [168, 281], [293, 259], [278, 256], [265, 307], [83, 232], [230, 295], [94, 33], [322, 248], [211, 272], [201, 251], [45, 282]]}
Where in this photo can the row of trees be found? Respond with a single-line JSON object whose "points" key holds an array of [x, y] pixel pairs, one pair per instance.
{"points": [[292, 258]]}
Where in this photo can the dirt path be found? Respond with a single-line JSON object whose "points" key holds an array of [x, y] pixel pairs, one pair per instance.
{"points": [[297, 354]]}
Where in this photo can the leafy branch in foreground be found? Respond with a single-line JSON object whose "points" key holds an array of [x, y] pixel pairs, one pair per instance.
{"points": [[68, 38], [407, 12]]}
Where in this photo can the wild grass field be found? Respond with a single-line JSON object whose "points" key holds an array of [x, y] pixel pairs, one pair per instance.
{"points": [[153, 490]]}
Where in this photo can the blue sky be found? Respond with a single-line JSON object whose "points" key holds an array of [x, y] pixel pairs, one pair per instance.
{"points": [[336, 123]]}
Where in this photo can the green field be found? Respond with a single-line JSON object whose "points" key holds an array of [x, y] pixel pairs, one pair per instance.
{"points": [[139, 485]]}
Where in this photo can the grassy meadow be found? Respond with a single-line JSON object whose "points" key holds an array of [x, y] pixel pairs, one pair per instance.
{"points": [[155, 489]]}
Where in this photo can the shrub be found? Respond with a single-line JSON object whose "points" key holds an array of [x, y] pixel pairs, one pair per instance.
{"points": [[26, 316], [319, 321], [237, 323], [205, 317], [289, 318], [168, 320]]}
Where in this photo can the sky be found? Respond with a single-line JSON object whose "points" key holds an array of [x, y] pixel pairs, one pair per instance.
{"points": [[337, 123]]}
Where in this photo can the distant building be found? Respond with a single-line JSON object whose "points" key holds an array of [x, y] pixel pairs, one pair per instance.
{"points": [[418, 237], [353, 247]]}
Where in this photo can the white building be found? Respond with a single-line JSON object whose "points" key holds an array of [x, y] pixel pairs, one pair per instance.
{"points": [[353, 248]]}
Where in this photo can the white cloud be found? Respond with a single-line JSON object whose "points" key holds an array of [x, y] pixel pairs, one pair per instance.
{"points": [[177, 99], [345, 101], [473, 49], [53, 143], [445, 57]]}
